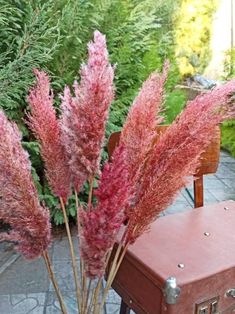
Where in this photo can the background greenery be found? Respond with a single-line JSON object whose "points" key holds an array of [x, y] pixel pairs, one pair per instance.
{"points": [[53, 35], [228, 128], [193, 31]]}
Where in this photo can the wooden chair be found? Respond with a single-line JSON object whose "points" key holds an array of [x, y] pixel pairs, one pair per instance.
{"points": [[209, 165]]}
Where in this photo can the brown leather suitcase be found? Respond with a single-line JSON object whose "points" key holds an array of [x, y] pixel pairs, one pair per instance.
{"points": [[184, 265]]}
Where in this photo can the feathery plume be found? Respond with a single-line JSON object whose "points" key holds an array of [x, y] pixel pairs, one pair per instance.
{"points": [[100, 224], [140, 127], [43, 122], [84, 116], [19, 204], [176, 155]]}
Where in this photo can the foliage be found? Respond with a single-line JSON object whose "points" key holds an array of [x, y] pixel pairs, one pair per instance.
{"points": [[175, 103], [175, 98], [229, 65], [228, 136], [228, 128], [77, 22], [142, 50], [26, 41], [193, 30]]}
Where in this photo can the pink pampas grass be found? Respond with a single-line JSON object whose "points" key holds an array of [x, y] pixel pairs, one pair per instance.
{"points": [[19, 204], [101, 223], [139, 129], [44, 124], [84, 116], [176, 155]]}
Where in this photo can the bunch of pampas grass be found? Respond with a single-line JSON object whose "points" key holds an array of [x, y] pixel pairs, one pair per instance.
{"points": [[141, 179]]}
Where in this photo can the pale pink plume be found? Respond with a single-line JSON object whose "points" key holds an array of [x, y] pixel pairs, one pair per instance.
{"points": [[44, 124], [19, 204], [84, 116], [139, 129]]}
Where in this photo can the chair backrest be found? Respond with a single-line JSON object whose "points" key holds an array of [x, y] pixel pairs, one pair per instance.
{"points": [[209, 160]]}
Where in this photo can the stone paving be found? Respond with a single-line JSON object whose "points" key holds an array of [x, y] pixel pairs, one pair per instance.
{"points": [[25, 287]]}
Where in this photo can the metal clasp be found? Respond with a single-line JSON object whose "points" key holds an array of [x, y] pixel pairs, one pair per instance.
{"points": [[231, 293], [171, 291]]}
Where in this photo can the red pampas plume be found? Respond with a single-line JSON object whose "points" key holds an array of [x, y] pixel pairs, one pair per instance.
{"points": [[44, 124], [101, 223], [84, 116], [19, 204], [139, 129]]}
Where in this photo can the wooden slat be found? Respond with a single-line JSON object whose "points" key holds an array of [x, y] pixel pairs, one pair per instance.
{"points": [[198, 192]]}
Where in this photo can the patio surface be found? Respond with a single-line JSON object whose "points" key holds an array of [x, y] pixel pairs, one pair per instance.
{"points": [[25, 288]]}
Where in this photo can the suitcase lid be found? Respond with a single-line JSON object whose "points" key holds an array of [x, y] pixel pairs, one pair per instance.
{"points": [[202, 240]]}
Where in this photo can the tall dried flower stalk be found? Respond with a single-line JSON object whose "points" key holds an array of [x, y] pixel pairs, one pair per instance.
{"points": [[84, 116], [19, 204], [101, 223], [53, 279], [176, 155], [139, 130], [44, 124], [46, 127], [73, 258]]}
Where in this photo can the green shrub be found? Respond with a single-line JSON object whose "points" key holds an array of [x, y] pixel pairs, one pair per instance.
{"points": [[228, 128], [26, 41], [229, 65], [175, 102], [228, 136], [193, 30]]}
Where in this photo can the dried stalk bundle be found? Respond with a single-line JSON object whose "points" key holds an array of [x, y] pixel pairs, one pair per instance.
{"points": [[81, 129], [142, 178], [176, 155], [145, 173]]}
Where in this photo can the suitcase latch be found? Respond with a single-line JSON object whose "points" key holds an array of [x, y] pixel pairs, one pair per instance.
{"points": [[208, 307], [171, 291], [230, 293]]}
